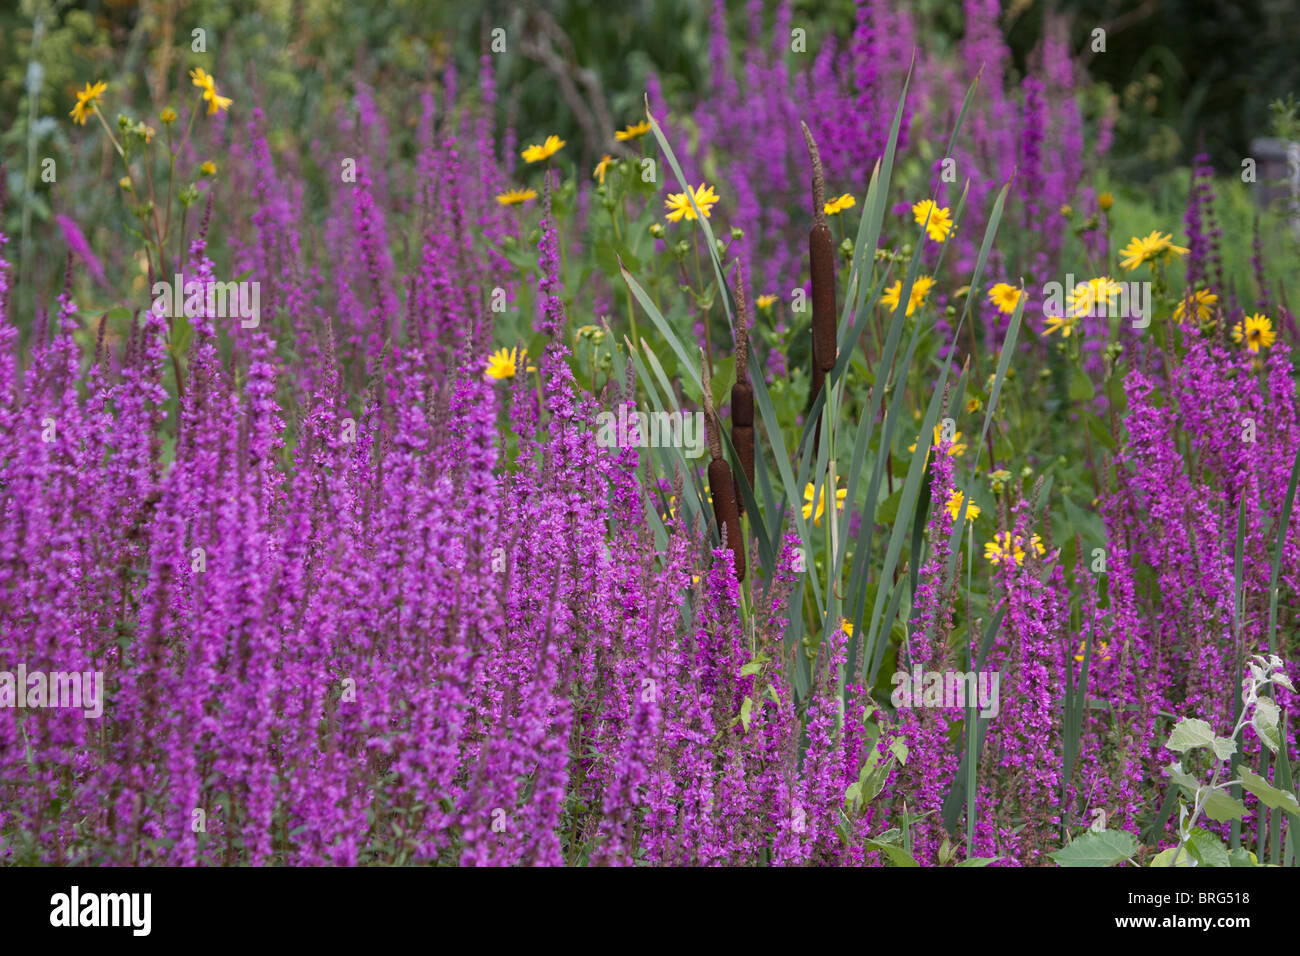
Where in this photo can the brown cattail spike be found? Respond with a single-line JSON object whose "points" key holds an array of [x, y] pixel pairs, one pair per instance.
{"points": [[722, 488], [821, 261], [742, 397], [721, 485]]}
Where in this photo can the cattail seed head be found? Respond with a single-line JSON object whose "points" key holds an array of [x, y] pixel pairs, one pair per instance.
{"points": [[722, 488], [821, 261]]}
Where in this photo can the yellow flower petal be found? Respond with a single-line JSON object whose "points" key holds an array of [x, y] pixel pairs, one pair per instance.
{"points": [[537, 153]]}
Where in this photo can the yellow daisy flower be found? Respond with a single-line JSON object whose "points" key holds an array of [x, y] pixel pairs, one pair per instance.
{"points": [[958, 446], [1058, 322], [1105, 201], [504, 363], [1087, 297], [766, 301], [208, 84], [513, 197], [1202, 302], [86, 100], [209, 168], [1005, 297], [808, 492], [679, 206], [955, 501], [601, 166], [1149, 248], [1258, 332], [837, 206], [217, 102], [1000, 550], [536, 153], [634, 131], [940, 219], [203, 80], [920, 289]]}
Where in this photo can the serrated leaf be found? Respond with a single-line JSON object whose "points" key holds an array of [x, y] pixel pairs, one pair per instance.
{"points": [[1190, 733], [1097, 849]]}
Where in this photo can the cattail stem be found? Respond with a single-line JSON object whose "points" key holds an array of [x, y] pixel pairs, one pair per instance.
{"points": [[742, 397], [821, 261]]}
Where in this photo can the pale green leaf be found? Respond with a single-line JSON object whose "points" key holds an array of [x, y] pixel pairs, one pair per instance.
{"points": [[1190, 733], [1105, 848]]}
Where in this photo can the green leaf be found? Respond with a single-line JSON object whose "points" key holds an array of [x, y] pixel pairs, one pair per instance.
{"points": [[1098, 429], [1104, 848], [1207, 848], [897, 855], [1081, 386], [1178, 775], [1268, 795], [1265, 723], [979, 861], [1224, 747], [1221, 807], [1242, 857], [899, 750], [1166, 858], [746, 712], [1190, 733], [754, 666], [887, 513]]}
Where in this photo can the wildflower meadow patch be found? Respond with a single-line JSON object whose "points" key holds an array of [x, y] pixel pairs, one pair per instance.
{"points": [[819, 454]]}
